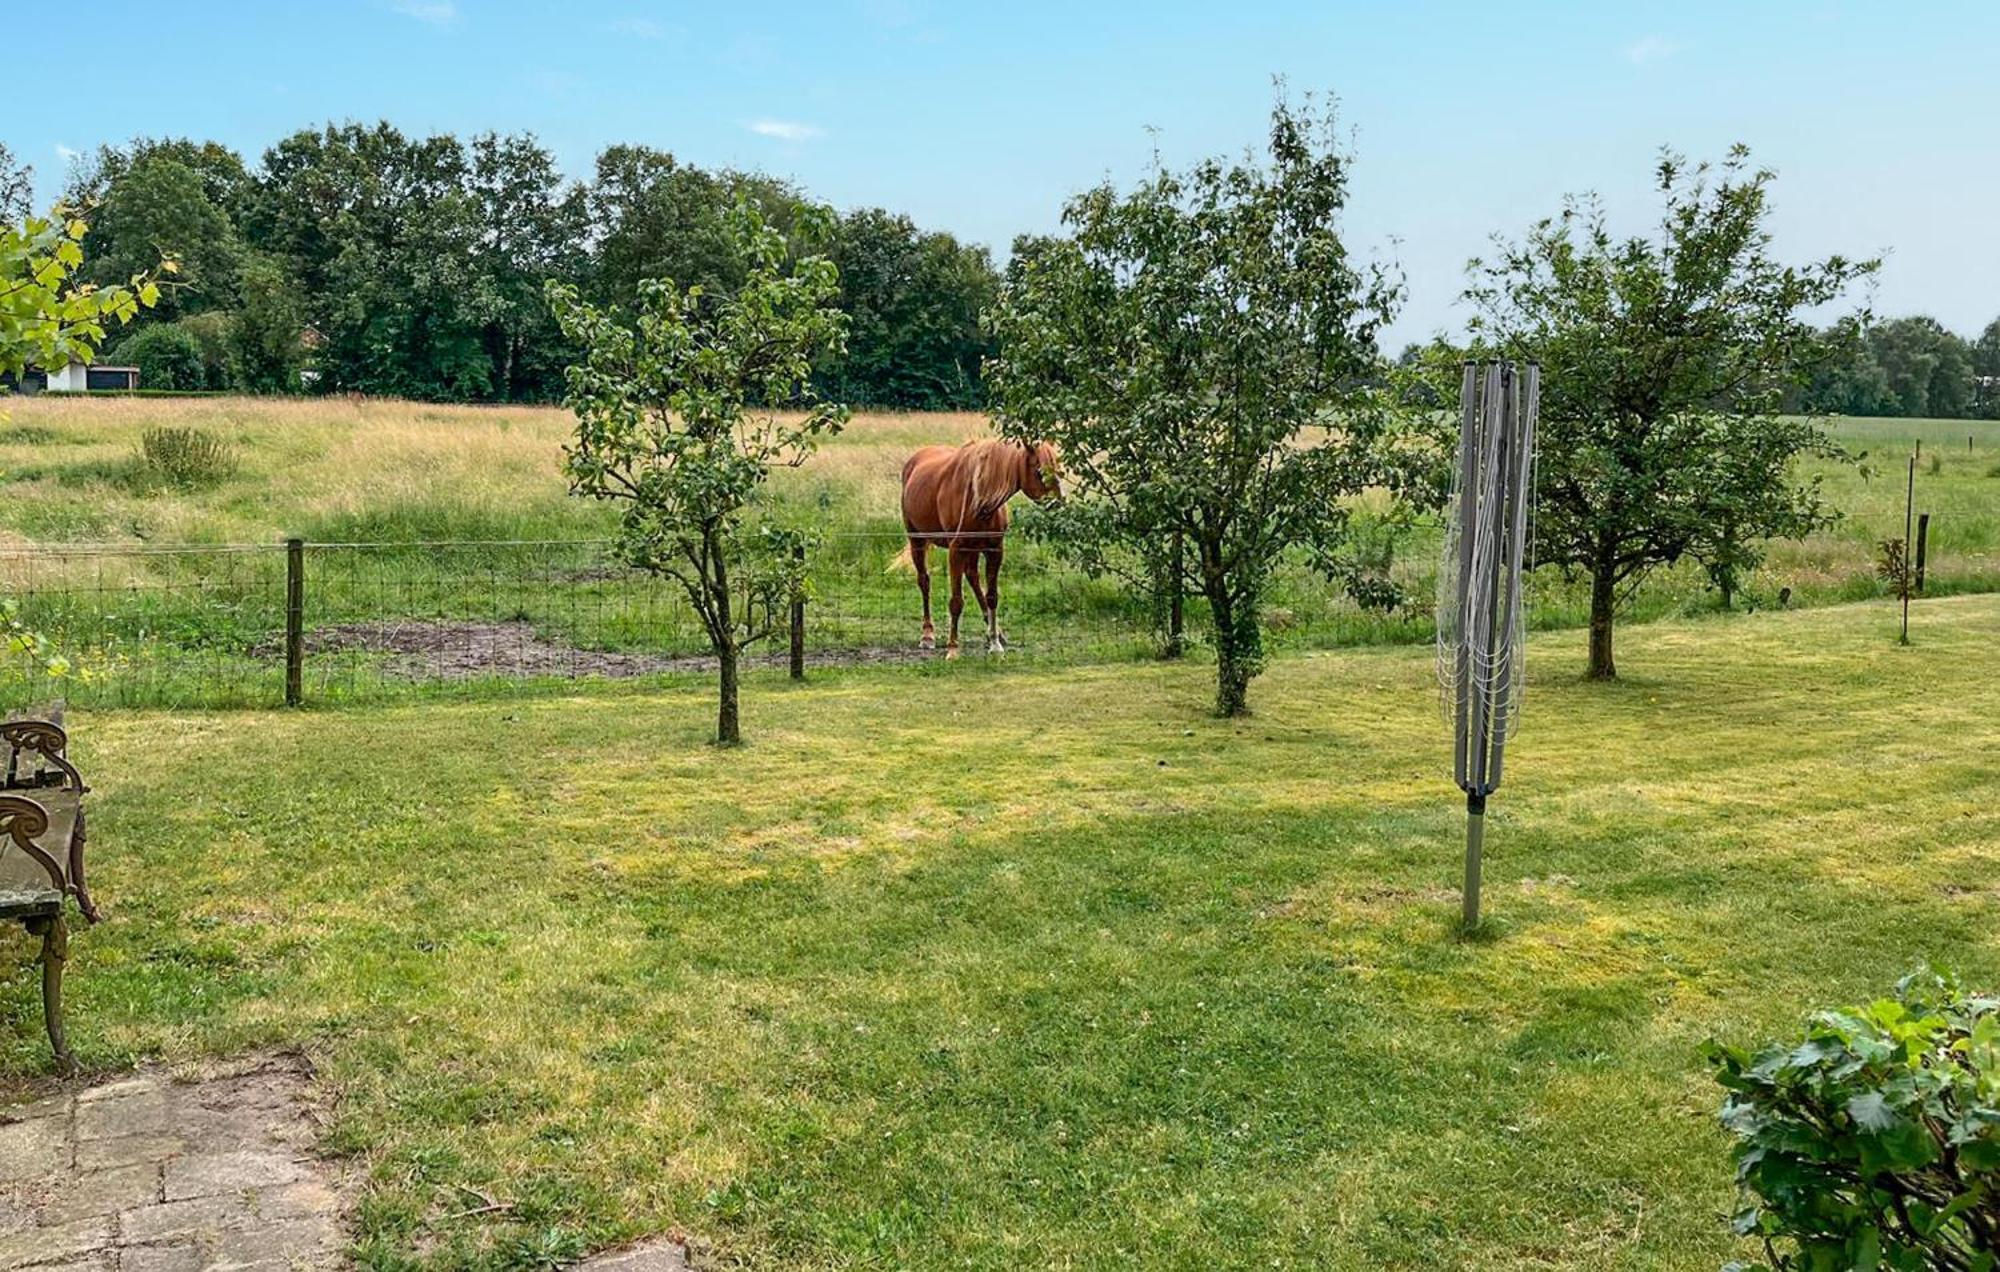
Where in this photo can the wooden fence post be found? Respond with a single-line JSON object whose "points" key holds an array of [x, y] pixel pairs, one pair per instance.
{"points": [[799, 614], [295, 621], [1923, 541]]}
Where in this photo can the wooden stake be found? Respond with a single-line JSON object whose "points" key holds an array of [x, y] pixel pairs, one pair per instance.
{"points": [[295, 621]]}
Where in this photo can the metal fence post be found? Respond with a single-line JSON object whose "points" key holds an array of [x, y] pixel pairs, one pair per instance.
{"points": [[295, 621], [799, 612]]}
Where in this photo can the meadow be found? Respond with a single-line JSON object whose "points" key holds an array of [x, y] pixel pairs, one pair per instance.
{"points": [[148, 622], [990, 969]]}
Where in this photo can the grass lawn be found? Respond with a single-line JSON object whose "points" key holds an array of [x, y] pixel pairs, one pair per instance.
{"points": [[1045, 967]]}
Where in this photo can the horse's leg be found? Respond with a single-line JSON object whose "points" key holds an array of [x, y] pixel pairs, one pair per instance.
{"points": [[995, 642], [920, 556], [978, 590], [955, 558]]}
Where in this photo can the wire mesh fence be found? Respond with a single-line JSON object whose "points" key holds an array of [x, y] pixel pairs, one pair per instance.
{"points": [[213, 626]]}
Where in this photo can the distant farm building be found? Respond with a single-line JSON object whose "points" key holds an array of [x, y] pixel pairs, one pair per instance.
{"points": [[78, 377], [74, 378]]}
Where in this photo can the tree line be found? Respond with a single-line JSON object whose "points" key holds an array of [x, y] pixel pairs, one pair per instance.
{"points": [[357, 258], [1913, 366]]}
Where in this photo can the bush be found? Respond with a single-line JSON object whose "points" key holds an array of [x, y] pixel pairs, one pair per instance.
{"points": [[167, 355], [214, 331], [185, 457], [1874, 1142]]}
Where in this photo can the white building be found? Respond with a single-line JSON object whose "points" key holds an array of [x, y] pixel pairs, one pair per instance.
{"points": [[78, 377]]}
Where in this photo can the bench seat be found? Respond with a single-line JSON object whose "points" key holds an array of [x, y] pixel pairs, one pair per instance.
{"points": [[25, 887]]}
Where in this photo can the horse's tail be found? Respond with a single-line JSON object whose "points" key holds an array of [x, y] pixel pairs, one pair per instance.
{"points": [[905, 561]]}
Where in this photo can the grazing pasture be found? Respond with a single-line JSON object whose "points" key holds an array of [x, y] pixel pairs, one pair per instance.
{"points": [[983, 969], [203, 628]]}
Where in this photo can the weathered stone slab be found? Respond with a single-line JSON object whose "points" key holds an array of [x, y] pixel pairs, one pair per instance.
{"points": [[246, 1170], [126, 1150], [652, 1256], [168, 1220], [102, 1192], [140, 1113], [34, 1149], [180, 1257], [313, 1242], [55, 1244], [137, 1084]]}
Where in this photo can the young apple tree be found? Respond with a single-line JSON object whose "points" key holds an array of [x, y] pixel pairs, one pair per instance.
{"points": [[1202, 352], [677, 422], [1665, 363]]}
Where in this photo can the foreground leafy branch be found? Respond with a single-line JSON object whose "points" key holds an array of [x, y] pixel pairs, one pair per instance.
{"points": [[48, 319]]}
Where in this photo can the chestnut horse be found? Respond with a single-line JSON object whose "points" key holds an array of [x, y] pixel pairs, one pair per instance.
{"points": [[957, 496]]}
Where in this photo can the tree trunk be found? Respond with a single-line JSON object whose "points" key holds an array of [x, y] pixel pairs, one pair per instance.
{"points": [[722, 635], [1232, 681], [728, 732], [1727, 585], [1239, 646], [1603, 600]]}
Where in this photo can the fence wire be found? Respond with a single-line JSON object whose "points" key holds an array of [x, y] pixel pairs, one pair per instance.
{"points": [[206, 625]]}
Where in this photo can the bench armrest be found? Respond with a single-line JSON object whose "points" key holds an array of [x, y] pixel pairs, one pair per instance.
{"points": [[21, 821], [40, 737]]}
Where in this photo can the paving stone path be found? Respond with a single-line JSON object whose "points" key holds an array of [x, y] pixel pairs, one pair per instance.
{"points": [[152, 1174], [149, 1174]]}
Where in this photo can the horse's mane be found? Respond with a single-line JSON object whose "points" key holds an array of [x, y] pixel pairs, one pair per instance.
{"points": [[995, 466]]}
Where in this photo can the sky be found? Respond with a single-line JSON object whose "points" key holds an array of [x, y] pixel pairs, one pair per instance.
{"points": [[1465, 119]]}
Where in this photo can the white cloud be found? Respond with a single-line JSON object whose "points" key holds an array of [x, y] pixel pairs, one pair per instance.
{"points": [[782, 129], [637, 28], [68, 153], [435, 12], [1653, 48]]}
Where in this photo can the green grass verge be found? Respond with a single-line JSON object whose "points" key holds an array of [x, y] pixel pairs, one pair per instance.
{"points": [[964, 968]]}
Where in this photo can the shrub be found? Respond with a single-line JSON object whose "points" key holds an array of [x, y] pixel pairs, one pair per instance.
{"points": [[167, 355], [214, 331], [1875, 1141], [185, 457]]}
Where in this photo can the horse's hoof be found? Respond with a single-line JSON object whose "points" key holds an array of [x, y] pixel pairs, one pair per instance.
{"points": [[951, 651], [928, 642]]}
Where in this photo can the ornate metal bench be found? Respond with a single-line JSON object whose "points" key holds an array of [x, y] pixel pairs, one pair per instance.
{"points": [[41, 851]]}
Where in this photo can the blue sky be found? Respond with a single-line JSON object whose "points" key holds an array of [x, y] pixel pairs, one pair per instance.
{"points": [[1466, 118]]}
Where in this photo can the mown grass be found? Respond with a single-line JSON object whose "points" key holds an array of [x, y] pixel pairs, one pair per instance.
{"points": [[201, 629], [958, 969]]}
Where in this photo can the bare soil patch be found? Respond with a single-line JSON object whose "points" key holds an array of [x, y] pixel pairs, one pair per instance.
{"points": [[443, 649]]}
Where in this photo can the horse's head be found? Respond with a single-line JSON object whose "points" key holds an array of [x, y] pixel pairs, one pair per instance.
{"points": [[1040, 476]]}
